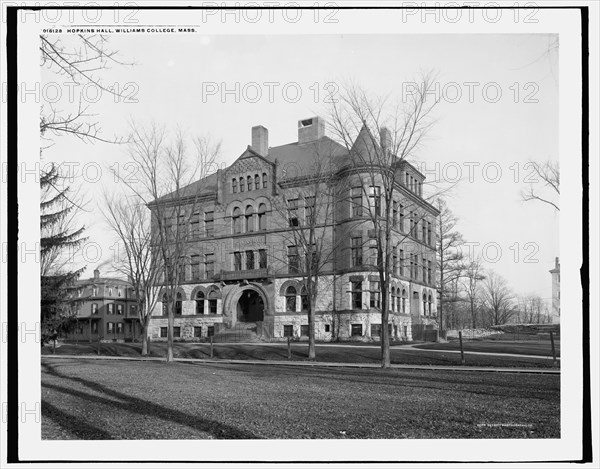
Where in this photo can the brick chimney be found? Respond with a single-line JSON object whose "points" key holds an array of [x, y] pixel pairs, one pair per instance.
{"points": [[310, 129], [386, 139], [260, 140], [96, 274]]}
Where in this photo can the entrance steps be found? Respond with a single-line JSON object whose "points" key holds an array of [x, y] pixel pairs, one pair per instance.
{"points": [[240, 332]]}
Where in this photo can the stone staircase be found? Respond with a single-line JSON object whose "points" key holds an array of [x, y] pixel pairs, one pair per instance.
{"points": [[240, 332]]}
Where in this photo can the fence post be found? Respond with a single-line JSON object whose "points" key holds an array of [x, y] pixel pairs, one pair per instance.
{"points": [[211, 346], [462, 352], [553, 349], [289, 348]]}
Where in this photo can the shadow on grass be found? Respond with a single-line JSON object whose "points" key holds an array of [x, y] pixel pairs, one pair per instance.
{"points": [[74, 425], [128, 404]]}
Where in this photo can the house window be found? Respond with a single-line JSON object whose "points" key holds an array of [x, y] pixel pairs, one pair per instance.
{"points": [[237, 220], [177, 331], [424, 304], [249, 219], [288, 330], [375, 330], [304, 299], [119, 309], [373, 252], [95, 327], [424, 270], [119, 328], [357, 251], [293, 260], [209, 265], [199, 303], [357, 201], [357, 295], [181, 270], [394, 213], [290, 299], [249, 179], [375, 301], [327, 328], [195, 267], [401, 219], [111, 308], [429, 302], [119, 293], [356, 330], [403, 301], [375, 200], [110, 292], [309, 210], [212, 302], [178, 304], [163, 332], [197, 331], [262, 258], [264, 180], [210, 331], [304, 330], [401, 262], [423, 231], [293, 212], [196, 225], [256, 181], [95, 291], [395, 260], [209, 223], [234, 185], [429, 233], [249, 260], [133, 310], [110, 327], [94, 308], [429, 279], [262, 217], [237, 261]]}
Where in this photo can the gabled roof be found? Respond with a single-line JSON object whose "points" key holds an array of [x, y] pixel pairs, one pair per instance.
{"points": [[365, 147]]}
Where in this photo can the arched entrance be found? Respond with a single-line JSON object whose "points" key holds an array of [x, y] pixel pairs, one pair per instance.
{"points": [[250, 307]]}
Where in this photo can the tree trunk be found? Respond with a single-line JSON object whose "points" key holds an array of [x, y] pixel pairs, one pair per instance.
{"points": [[145, 339], [170, 332], [385, 336], [311, 329]]}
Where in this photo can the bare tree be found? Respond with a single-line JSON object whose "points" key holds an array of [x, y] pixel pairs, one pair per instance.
{"points": [[472, 277], [378, 142], [130, 222], [532, 309], [548, 175], [171, 175], [498, 299]]}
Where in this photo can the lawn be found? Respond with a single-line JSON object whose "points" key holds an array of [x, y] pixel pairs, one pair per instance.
{"points": [[325, 353], [527, 347], [104, 399]]}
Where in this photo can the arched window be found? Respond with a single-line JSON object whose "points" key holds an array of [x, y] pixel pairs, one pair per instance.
{"points": [[394, 300], [178, 304], [249, 219], [212, 302], [249, 183], [403, 301], [234, 185], [290, 299], [264, 178], [236, 218], [430, 305], [199, 303], [262, 217], [242, 184], [256, 181], [424, 303], [304, 299]]}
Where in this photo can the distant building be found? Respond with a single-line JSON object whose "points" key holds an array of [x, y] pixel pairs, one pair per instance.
{"points": [[242, 266], [105, 309], [555, 272]]}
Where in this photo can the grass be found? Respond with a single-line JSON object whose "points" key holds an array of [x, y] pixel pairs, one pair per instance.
{"points": [[104, 399], [528, 347], [325, 353]]}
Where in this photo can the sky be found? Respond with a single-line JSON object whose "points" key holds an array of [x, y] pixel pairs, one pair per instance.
{"points": [[498, 110]]}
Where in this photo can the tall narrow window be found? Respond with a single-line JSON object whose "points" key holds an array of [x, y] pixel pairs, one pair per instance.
{"points": [[264, 180], [375, 200], [236, 218], [181, 270], [237, 261], [424, 266], [262, 217], [395, 260], [212, 302], [429, 302], [196, 225], [110, 308], [373, 253], [357, 295], [293, 212], [199, 303], [94, 308], [429, 233], [242, 184], [309, 210], [423, 231], [195, 266], [406, 176], [304, 299], [256, 181], [249, 179], [375, 300], [424, 304], [429, 279], [178, 304], [403, 301], [249, 219], [234, 185], [249, 260], [394, 213], [401, 262], [357, 201], [209, 223], [209, 265], [293, 260], [290, 299], [357, 257], [401, 219], [262, 258]]}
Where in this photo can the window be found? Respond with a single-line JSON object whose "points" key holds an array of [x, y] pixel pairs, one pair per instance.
{"points": [[177, 331], [164, 305], [119, 293], [264, 180], [95, 327], [79, 292], [256, 181], [237, 220], [424, 270], [94, 308], [429, 302], [181, 270], [357, 201], [110, 327], [327, 327], [293, 260], [95, 291], [429, 233], [249, 179], [288, 330], [293, 212], [210, 331], [249, 260], [403, 301], [262, 217], [401, 262], [356, 251], [178, 304], [197, 331], [394, 213], [237, 261], [290, 299], [373, 255], [163, 332], [375, 330], [304, 330], [119, 328], [111, 308], [309, 210], [262, 258], [375, 301], [196, 225], [412, 224], [195, 260], [234, 185], [242, 184], [212, 302], [356, 330], [429, 279], [304, 299], [424, 304], [199, 304], [110, 292], [406, 179], [395, 260], [357, 295], [375, 199], [209, 265], [401, 219], [209, 224], [249, 219], [119, 309]]}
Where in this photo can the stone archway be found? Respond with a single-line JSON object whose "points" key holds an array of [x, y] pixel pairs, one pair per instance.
{"points": [[250, 307], [234, 296]]}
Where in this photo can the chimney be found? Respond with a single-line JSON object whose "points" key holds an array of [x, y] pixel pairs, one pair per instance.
{"points": [[556, 263], [310, 129], [96, 274], [386, 139], [260, 140]]}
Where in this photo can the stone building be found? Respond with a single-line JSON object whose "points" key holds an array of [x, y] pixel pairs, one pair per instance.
{"points": [[105, 309], [241, 272]]}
